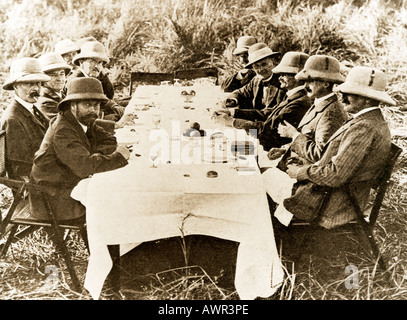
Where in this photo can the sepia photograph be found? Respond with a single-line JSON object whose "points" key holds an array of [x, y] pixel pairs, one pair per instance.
{"points": [[220, 152]]}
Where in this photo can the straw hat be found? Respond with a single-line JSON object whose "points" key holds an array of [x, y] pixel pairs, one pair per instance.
{"points": [[292, 62], [66, 46], [25, 70], [243, 44], [92, 49], [366, 82], [87, 88], [258, 52], [321, 67], [53, 61]]}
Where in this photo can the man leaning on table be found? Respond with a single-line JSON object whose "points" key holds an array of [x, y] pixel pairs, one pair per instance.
{"points": [[266, 121], [352, 158], [263, 91], [74, 148], [243, 76]]}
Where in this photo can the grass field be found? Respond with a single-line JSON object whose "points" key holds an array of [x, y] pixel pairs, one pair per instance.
{"points": [[152, 35]]}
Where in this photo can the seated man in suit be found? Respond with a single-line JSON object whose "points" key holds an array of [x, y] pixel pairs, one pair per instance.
{"points": [[74, 148], [54, 66], [24, 123], [353, 156], [265, 122], [243, 76], [263, 91], [326, 115], [91, 60]]}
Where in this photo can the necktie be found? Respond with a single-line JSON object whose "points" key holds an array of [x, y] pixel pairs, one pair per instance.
{"points": [[41, 117]]}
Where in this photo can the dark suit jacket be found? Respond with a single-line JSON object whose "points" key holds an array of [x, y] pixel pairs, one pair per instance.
{"points": [[48, 102], [354, 155], [24, 134], [266, 121], [250, 96], [68, 155], [232, 83]]}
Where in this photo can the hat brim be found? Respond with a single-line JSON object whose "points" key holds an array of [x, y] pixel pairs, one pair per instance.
{"points": [[34, 77], [79, 56], [285, 69], [322, 76], [56, 66], [81, 96], [365, 91], [238, 51], [249, 65]]}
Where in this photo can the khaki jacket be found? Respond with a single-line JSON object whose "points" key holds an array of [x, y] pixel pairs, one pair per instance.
{"points": [[354, 156]]}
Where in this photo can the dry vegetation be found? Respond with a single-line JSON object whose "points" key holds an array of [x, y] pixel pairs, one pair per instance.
{"points": [[152, 35]]}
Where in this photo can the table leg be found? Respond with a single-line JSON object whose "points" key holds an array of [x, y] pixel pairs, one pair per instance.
{"points": [[114, 275]]}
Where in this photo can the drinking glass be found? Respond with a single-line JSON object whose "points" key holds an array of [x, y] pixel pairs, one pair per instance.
{"points": [[153, 157]]}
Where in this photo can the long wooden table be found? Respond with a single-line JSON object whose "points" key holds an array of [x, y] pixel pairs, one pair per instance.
{"points": [[197, 187]]}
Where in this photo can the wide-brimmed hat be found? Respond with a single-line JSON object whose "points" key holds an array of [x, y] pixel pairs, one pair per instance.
{"points": [[243, 44], [259, 51], [93, 50], [53, 61], [25, 70], [292, 62], [366, 82], [87, 88], [321, 67], [66, 46], [81, 41]]}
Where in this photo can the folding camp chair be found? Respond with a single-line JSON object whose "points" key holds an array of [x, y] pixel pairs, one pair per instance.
{"points": [[190, 74], [363, 225], [15, 219], [149, 78]]}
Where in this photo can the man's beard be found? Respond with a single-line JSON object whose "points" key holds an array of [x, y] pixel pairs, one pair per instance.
{"points": [[87, 119]]}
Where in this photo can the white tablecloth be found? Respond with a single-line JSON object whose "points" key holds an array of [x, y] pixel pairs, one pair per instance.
{"points": [[139, 203]]}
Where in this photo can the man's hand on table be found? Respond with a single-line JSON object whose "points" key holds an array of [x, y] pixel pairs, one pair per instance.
{"points": [[123, 151], [224, 119], [287, 130], [292, 170], [275, 153]]}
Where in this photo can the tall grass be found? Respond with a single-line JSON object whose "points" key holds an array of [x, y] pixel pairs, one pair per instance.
{"points": [[164, 35]]}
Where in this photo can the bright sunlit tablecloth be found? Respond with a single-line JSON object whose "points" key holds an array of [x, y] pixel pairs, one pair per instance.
{"points": [[140, 203]]}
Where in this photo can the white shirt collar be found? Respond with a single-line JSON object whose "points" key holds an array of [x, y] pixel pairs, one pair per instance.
{"points": [[25, 104], [320, 100], [85, 128], [84, 73], [294, 91], [363, 111]]}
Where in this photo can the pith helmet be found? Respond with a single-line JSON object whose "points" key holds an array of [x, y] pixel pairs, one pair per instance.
{"points": [[83, 89], [92, 49], [25, 70], [66, 46], [243, 44], [366, 82], [292, 62], [81, 41], [258, 52], [53, 61], [321, 67]]}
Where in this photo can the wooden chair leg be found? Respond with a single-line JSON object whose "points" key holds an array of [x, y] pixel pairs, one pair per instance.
{"points": [[60, 243], [15, 236]]}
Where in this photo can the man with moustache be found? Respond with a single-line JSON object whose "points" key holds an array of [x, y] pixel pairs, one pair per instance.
{"points": [[243, 76], [24, 123], [265, 122], [74, 148], [263, 91], [90, 62], [354, 156], [320, 122]]}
